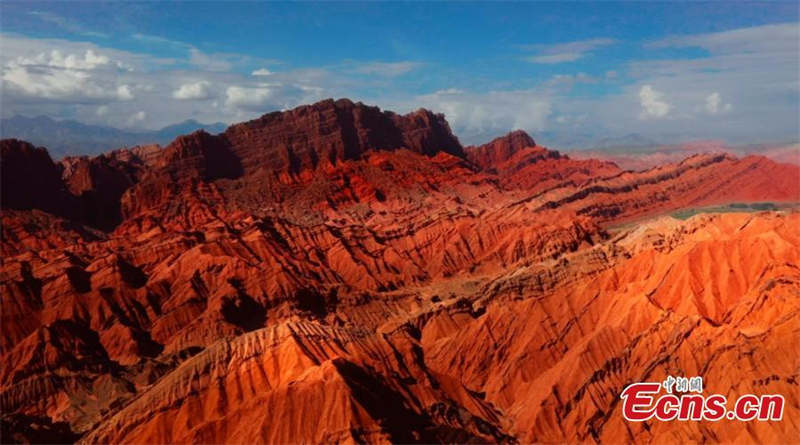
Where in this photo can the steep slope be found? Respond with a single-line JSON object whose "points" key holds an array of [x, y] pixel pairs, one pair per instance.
{"points": [[331, 131], [336, 273], [500, 149], [283, 149], [521, 164], [30, 180], [100, 182], [697, 181], [715, 296], [84, 190]]}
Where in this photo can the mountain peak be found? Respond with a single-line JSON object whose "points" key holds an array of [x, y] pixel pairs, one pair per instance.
{"points": [[333, 130], [500, 149]]}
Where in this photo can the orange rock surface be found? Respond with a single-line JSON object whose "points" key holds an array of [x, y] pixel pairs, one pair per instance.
{"points": [[340, 274]]}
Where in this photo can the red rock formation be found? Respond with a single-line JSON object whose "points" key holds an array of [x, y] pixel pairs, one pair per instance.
{"points": [[500, 150], [100, 182], [336, 273], [697, 181], [661, 299], [30, 180], [329, 131], [521, 164]]}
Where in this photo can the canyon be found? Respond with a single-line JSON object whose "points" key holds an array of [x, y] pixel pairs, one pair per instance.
{"points": [[337, 273]]}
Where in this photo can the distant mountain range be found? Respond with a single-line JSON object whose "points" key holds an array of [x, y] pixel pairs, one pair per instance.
{"points": [[338, 273], [583, 141], [70, 137]]}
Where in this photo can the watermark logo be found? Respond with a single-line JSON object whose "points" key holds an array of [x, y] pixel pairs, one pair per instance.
{"points": [[683, 400]]}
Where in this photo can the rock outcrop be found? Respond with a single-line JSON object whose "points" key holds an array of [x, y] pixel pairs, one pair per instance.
{"points": [[501, 149], [336, 273], [31, 180]]}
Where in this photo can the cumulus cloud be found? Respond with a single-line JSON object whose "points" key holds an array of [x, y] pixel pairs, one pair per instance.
{"points": [[565, 52], [262, 72], [90, 60], [81, 81], [136, 118], [662, 98], [570, 79], [477, 117], [754, 70], [124, 92], [193, 91], [58, 75], [51, 83], [248, 98], [714, 104], [264, 97], [653, 105]]}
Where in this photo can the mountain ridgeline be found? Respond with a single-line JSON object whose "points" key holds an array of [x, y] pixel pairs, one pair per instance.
{"points": [[337, 273], [71, 138]]}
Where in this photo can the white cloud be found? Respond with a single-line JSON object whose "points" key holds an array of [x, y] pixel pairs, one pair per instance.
{"points": [[262, 72], [52, 84], [57, 75], [137, 118], [193, 91], [754, 71], [714, 104], [565, 52], [652, 103], [124, 92], [753, 68], [80, 78], [477, 117], [57, 59], [248, 98], [762, 39], [210, 62], [570, 79], [288, 91], [68, 25], [204, 61], [157, 40]]}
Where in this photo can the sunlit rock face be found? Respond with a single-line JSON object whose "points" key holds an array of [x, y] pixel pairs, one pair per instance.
{"points": [[338, 273]]}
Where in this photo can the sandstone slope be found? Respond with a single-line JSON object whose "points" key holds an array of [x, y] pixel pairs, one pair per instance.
{"points": [[337, 273]]}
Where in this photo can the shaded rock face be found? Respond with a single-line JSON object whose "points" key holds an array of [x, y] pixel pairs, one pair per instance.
{"points": [[336, 273], [31, 180], [99, 184], [84, 190], [286, 145], [332, 131]]}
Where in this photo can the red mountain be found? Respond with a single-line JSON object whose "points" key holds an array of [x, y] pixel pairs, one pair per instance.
{"points": [[338, 273]]}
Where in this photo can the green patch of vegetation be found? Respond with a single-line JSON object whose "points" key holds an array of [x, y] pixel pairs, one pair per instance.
{"points": [[736, 207]]}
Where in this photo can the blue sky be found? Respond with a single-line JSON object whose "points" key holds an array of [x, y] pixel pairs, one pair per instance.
{"points": [[571, 72]]}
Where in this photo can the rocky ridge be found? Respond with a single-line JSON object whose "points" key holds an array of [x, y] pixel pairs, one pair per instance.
{"points": [[368, 268]]}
